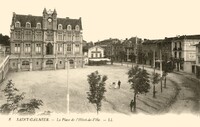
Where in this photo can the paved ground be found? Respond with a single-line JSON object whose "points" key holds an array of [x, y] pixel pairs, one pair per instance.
{"points": [[187, 93], [188, 98], [50, 86]]}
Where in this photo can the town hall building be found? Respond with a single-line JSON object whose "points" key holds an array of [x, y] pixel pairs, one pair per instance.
{"points": [[45, 42]]}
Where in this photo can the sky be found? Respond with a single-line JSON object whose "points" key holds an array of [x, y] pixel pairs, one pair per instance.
{"points": [[103, 19]]}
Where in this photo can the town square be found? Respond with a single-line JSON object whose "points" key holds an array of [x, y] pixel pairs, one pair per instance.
{"points": [[70, 58]]}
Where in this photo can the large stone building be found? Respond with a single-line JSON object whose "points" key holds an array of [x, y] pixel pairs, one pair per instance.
{"points": [[184, 51], [45, 42]]}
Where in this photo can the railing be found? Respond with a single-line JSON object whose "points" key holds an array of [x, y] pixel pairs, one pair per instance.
{"points": [[4, 67]]}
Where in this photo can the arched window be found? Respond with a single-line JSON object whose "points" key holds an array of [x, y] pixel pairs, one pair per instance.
{"points": [[49, 62], [60, 27], [28, 25], [77, 28], [69, 27], [71, 62], [49, 49], [38, 26], [17, 24]]}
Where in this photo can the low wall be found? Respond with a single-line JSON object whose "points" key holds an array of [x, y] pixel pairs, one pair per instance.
{"points": [[4, 68]]}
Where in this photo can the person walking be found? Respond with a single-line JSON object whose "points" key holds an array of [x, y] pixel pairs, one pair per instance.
{"points": [[119, 84], [131, 105]]}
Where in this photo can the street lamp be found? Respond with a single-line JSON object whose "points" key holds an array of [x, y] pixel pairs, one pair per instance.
{"points": [[67, 87]]}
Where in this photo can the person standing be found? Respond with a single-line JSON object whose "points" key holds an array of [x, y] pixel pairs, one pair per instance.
{"points": [[131, 105], [119, 84]]}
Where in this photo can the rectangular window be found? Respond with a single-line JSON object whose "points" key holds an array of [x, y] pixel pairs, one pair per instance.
{"points": [[38, 48], [18, 35], [60, 37], [180, 54], [60, 47], [175, 54], [69, 47], [199, 60], [17, 48], [64, 37], [198, 49], [175, 45], [38, 36], [27, 48], [77, 48], [77, 37], [69, 37], [28, 35]]}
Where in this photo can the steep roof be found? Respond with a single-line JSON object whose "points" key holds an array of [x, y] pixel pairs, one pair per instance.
{"points": [[38, 19], [67, 21], [27, 18]]}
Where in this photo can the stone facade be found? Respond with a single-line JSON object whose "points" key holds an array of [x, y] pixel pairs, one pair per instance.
{"points": [[185, 51], [45, 42]]}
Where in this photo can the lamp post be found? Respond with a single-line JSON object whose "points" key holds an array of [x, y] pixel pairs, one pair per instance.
{"points": [[67, 87], [161, 66]]}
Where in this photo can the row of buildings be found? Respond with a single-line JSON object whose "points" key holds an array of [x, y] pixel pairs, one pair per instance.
{"points": [[179, 50], [49, 42]]}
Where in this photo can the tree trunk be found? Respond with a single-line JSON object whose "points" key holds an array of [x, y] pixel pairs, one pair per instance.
{"points": [[135, 94], [154, 91], [165, 82], [97, 109]]}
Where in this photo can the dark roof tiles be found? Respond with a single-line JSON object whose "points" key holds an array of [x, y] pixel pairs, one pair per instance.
{"points": [[38, 19]]}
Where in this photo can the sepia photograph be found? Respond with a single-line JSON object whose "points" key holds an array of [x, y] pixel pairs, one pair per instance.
{"points": [[99, 63]]}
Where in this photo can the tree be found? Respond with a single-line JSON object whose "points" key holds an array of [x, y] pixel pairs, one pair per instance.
{"points": [[155, 80], [29, 108], [4, 39], [122, 56], [167, 68], [97, 89], [139, 80], [133, 57], [14, 102]]}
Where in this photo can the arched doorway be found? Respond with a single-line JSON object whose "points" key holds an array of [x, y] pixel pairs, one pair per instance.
{"points": [[49, 64], [71, 63], [25, 65], [49, 49]]}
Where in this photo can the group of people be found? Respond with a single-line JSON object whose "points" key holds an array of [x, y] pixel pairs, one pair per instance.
{"points": [[118, 85]]}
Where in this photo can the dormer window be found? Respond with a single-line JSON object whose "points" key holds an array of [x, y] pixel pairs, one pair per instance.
{"points": [[38, 26], [69, 27], [28, 25], [60, 27], [17, 24], [77, 28]]}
